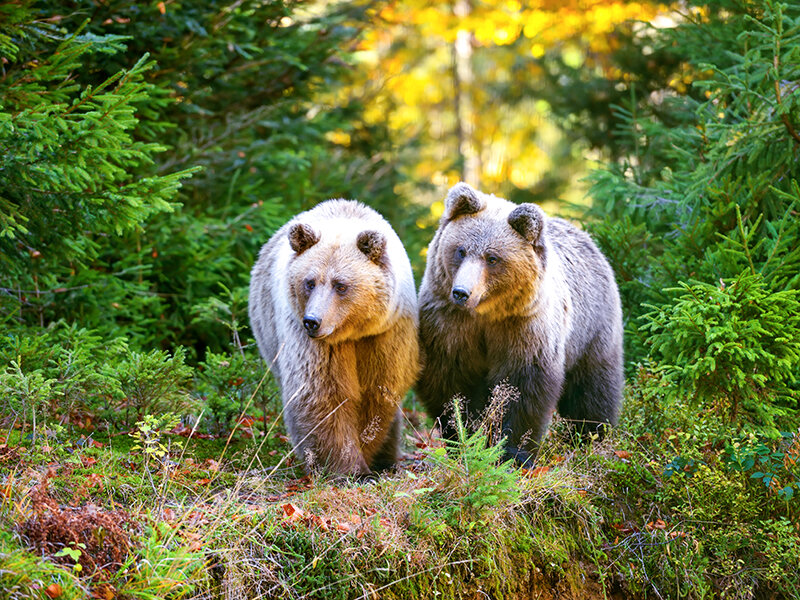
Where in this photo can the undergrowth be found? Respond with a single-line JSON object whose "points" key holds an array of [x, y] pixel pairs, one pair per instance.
{"points": [[675, 502], [649, 511]]}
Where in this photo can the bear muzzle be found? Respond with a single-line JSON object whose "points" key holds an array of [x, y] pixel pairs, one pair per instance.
{"points": [[317, 327], [460, 296], [469, 284], [312, 323]]}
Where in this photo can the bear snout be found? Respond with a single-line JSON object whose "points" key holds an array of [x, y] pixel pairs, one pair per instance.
{"points": [[460, 295], [469, 283], [312, 323]]}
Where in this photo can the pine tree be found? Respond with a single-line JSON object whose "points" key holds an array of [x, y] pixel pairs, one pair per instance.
{"points": [[244, 91], [72, 172], [706, 192]]}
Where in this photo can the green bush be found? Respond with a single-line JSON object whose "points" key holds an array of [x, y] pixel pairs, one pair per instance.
{"points": [[233, 384], [773, 463], [733, 347], [154, 383], [475, 479], [706, 183], [77, 175]]}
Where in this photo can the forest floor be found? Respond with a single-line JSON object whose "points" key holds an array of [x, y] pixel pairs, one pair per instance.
{"points": [[152, 514]]}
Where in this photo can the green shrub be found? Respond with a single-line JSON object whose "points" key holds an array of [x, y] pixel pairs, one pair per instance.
{"points": [[734, 346], [474, 479], [705, 185], [234, 383], [773, 463], [155, 382]]}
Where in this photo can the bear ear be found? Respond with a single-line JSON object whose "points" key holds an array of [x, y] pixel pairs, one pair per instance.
{"points": [[373, 245], [528, 221], [302, 237], [462, 199]]}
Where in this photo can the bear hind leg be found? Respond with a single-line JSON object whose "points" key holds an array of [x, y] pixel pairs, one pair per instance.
{"points": [[592, 396]]}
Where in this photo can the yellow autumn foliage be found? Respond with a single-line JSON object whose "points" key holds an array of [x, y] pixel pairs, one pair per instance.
{"points": [[409, 80]]}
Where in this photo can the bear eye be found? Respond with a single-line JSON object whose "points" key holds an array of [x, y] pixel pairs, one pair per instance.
{"points": [[310, 284], [461, 252], [340, 287], [492, 259]]}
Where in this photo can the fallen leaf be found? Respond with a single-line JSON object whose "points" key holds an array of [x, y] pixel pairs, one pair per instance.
{"points": [[535, 472], [677, 534], [53, 590], [103, 591], [657, 524], [162, 8], [294, 512], [623, 528], [320, 522], [343, 527], [623, 454], [195, 543], [203, 481], [88, 461]]}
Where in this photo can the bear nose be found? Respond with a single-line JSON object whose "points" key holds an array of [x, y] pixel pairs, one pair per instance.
{"points": [[460, 295], [311, 324]]}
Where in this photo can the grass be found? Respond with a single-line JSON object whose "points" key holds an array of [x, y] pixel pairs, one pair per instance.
{"points": [[215, 519]]}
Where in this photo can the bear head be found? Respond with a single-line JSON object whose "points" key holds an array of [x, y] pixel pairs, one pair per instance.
{"points": [[490, 253], [340, 281]]}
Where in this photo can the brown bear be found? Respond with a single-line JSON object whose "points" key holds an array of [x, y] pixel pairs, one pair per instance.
{"points": [[333, 308], [512, 296]]}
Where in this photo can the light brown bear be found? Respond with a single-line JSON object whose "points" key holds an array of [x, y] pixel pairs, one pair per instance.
{"points": [[334, 311], [510, 295]]}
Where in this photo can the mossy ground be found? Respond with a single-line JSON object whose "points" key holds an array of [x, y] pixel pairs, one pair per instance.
{"points": [[234, 518]]}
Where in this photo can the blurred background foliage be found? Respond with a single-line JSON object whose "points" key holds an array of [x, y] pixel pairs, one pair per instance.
{"points": [[148, 149]]}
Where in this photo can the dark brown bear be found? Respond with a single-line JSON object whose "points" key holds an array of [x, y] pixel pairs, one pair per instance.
{"points": [[511, 295]]}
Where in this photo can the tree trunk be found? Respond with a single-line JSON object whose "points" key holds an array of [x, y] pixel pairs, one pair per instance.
{"points": [[463, 77]]}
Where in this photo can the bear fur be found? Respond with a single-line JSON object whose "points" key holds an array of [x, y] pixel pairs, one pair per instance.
{"points": [[511, 296], [333, 309]]}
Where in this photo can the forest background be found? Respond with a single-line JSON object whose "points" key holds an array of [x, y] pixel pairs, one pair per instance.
{"points": [[148, 149]]}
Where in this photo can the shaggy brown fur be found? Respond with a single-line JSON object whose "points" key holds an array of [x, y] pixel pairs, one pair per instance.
{"points": [[510, 295], [334, 311]]}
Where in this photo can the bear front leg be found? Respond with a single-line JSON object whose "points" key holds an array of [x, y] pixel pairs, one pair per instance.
{"points": [[327, 439], [451, 369], [386, 456], [528, 416], [388, 366], [322, 401], [339, 448]]}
